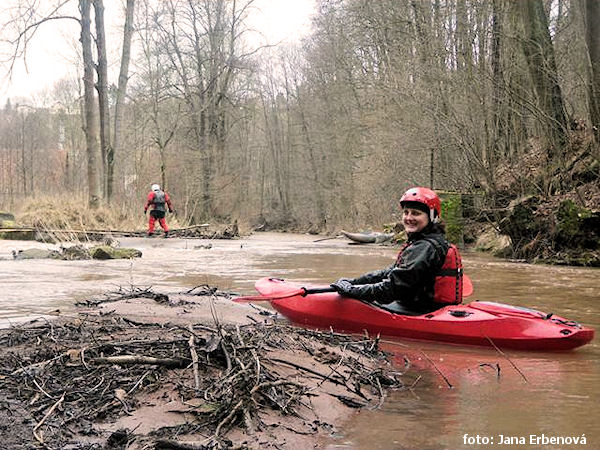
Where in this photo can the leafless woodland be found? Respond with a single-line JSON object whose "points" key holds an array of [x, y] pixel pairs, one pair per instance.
{"points": [[382, 95]]}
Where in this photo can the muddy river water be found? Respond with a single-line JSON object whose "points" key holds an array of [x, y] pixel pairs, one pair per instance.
{"points": [[536, 400]]}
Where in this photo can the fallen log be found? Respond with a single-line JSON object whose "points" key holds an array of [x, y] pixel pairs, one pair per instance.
{"points": [[128, 232]]}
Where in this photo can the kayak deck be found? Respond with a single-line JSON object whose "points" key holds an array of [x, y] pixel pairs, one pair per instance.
{"points": [[477, 323]]}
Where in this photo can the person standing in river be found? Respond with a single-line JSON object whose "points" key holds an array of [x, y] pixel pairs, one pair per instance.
{"points": [[158, 201], [427, 273]]}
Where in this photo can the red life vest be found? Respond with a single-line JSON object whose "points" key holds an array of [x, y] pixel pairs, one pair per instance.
{"points": [[448, 286]]}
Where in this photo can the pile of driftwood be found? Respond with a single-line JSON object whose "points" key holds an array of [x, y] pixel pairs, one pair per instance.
{"points": [[207, 232], [59, 380]]}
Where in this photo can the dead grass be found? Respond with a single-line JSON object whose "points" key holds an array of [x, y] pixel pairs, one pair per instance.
{"points": [[65, 213]]}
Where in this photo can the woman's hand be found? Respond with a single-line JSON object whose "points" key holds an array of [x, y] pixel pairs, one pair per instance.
{"points": [[342, 286]]}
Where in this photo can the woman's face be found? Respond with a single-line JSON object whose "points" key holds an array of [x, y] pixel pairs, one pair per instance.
{"points": [[414, 220]]}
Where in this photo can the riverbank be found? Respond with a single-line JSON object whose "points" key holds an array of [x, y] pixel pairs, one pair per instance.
{"points": [[559, 229], [142, 369]]}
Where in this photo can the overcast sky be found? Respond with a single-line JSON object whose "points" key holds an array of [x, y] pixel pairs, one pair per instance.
{"points": [[53, 51]]}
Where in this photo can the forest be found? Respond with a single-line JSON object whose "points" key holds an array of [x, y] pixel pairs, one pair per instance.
{"points": [[498, 100]]}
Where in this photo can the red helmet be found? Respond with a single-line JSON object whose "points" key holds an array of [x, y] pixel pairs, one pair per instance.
{"points": [[427, 197]]}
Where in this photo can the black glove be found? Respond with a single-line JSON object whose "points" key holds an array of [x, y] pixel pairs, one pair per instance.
{"points": [[171, 211], [342, 286], [145, 211]]}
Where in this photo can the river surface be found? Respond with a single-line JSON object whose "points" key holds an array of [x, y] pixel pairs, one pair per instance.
{"points": [[535, 397]]}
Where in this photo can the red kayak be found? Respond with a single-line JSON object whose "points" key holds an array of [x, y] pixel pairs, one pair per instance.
{"points": [[476, 323]]}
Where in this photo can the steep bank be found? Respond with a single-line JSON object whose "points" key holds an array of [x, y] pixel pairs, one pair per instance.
{"points": [[550, 208]]}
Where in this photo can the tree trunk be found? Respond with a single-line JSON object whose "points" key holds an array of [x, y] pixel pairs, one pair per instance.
{"points": [[102, 88], [273, 132], [592, 37], [121, 91], [539, 53], [22, 148], [499, 142], [91, 125], [463, 46]]}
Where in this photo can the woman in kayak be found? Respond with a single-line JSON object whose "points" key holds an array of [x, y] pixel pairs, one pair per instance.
{"points": [[415, 284]]}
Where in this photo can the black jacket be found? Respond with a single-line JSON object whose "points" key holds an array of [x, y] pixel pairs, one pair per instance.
{"points": [[407, 285]]}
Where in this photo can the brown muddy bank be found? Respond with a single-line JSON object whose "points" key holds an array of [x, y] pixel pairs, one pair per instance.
{"points": [[140, 369]]}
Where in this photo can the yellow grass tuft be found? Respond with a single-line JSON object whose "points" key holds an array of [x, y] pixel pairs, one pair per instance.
{"points": [[67, 213]]}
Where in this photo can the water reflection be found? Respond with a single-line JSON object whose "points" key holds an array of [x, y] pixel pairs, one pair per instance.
{"points": [[491, 394]]}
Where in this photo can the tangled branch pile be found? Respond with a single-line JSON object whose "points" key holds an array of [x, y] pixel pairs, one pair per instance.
{"points": [[71, 384]]}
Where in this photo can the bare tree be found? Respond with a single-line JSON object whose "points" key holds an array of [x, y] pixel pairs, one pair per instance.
{"points": [[100, 152], [90, 111], [115, 148], [203, 41], [162, 110], [539, 53], [592, 37], [102, 88]]}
